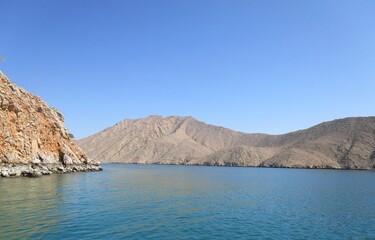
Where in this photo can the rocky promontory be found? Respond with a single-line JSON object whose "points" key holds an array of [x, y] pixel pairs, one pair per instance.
{"points": [[33, 138]]}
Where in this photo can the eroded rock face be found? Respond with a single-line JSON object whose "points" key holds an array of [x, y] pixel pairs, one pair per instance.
{"points": [[33, 132]]}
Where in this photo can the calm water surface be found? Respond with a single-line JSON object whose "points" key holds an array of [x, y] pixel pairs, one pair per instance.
{"points": [[190, 202]]}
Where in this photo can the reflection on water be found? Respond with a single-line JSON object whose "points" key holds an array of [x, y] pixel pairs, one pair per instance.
{"points": [[189, 202]]}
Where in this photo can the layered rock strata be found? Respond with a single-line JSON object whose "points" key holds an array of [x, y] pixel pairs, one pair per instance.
{"points": [[33, 134]]}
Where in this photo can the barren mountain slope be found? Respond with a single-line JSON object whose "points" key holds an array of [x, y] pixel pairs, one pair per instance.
{"points": [[150, 140], [344, 143]]}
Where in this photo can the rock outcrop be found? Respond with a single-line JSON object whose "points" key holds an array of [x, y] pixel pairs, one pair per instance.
{"points": [[341, 144], [33, 134]]}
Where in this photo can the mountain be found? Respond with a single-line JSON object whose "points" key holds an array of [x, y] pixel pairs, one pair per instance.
{"points": [[341, 144], [33, 139]]}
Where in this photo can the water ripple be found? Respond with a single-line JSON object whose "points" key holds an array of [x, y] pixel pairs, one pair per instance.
{"points": [[180, 202]]}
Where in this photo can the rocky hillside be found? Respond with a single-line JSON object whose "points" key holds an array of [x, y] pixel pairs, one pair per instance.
{"points": [[31, 132], [343, 144]]}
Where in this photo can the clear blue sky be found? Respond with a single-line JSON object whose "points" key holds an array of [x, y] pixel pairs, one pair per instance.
{"points": [[254, 66]]}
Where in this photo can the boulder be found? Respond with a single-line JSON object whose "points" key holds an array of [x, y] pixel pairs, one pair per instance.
{"points": [[47, 158], [67, 160], [36, 161], [4, 174], [35, 174]]}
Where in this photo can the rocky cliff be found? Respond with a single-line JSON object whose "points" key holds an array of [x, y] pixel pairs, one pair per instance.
{"points": [[32, 134], [341, 144]]}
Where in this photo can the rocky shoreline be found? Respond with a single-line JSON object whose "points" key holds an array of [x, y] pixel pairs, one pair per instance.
{"points": [[33, 138], [38, 170], [318, 167]]}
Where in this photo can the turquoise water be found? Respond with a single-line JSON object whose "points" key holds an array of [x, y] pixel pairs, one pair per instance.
{"points": [[190, 202]]}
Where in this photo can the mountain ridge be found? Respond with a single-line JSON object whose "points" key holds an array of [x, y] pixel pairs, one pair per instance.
{"points": [[347, 143]]}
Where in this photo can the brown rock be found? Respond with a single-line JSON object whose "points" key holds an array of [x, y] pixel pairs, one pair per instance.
{"points": [[67, 160], [31, 131]]}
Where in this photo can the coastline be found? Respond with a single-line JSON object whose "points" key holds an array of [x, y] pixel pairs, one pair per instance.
{"points": [[247, 166], [9, 170]]}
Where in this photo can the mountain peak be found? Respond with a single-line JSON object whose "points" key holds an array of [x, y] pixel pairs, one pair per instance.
{"points": [[167, 117], [343, 143]]}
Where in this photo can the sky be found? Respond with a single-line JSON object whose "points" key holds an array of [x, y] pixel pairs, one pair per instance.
{"points": [[253, 66]]}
